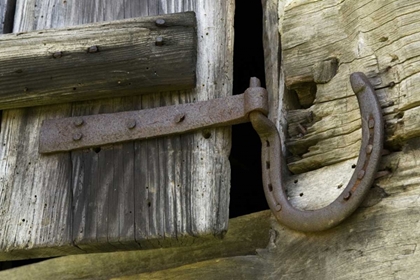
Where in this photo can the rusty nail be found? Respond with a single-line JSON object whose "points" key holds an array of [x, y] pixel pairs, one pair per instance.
{"points": [[369, 149], [160, 22], [93, 49], [57, 55], [131, 124], [159, 41], [347, 196], [278, 207], [361, 174], [179, 118], [77, 136], [302, 129], [78, 122], [371, 123]]}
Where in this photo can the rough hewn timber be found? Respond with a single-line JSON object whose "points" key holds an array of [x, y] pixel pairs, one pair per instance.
{"points": [[378, 242], [246, 234], [142, 194], [380, 40], [111, 59], [3, 4]]}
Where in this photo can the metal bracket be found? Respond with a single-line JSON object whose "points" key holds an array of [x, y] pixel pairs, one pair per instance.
{"points": [[58, 135], [96, 130], [359, 184]]}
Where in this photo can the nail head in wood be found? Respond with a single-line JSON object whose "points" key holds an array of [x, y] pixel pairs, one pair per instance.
{"points": [[159, 41], [160, 22], [93, 49], [77, 136], [78, 122]]}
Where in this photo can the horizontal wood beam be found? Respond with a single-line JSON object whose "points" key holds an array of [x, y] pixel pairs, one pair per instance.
{"points": [[245, 235], [110, 59]]}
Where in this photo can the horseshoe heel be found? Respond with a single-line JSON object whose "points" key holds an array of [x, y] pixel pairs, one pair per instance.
{"points": [[359, 184]]}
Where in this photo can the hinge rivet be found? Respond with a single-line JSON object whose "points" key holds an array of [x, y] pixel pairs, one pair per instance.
{"points": [[369, 149], [361, 174], [159, 41], [78, 122], [347, 196], [371, 123], [160, 22], [77, 136], [179, 118], [131, 124], [278, 207]]}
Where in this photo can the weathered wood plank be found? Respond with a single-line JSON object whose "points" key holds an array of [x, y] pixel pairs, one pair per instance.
{"points": [[378, 242], [7, 13], [245, 235], [98, 60], [185, 178], [242, 267], [3, 4], [380, 40]]}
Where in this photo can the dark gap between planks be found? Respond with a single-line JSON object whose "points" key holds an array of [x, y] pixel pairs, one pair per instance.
{"points": [[247, 194]]}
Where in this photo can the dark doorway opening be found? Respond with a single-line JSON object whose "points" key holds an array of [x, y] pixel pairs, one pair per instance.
{"points": [[247, 195]]}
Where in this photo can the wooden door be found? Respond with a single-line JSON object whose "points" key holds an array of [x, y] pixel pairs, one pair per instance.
{"points": [[143, 194], [321, 130]]}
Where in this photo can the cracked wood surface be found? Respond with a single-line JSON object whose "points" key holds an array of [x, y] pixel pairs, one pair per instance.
{"points": [[142, 194], [381, 40], [367, 37], [98, 60], [379, 241]]}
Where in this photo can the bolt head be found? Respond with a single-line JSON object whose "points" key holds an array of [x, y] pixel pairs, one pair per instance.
{"points": [[159, 41], [347, 196], [57, 55], [160, 22], [179, 118], [93, 49], [371, 123], [131, 124], [369, 149], [278, 207], [361, 174], [77, 136], [78, 122]]}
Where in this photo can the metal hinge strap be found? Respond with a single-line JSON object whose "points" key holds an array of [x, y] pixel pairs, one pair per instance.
{"points": [[67, 134]]}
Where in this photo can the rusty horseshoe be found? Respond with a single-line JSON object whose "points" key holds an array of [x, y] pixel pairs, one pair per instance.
{"points": [[359, 184]]}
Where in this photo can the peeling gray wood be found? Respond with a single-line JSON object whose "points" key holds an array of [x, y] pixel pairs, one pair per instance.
{"points": [[2, 13], [7, 12], [179, 186], [117, 58]]}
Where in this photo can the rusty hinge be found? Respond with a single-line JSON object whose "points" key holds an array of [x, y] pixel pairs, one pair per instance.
{"points": [[67, 134], [90, 131]]}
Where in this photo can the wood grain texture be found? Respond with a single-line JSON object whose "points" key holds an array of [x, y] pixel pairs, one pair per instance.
{"points": [[378, 242], [380, 40], [57, 66], [3, 4], [169, 187], [246, 234]]}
